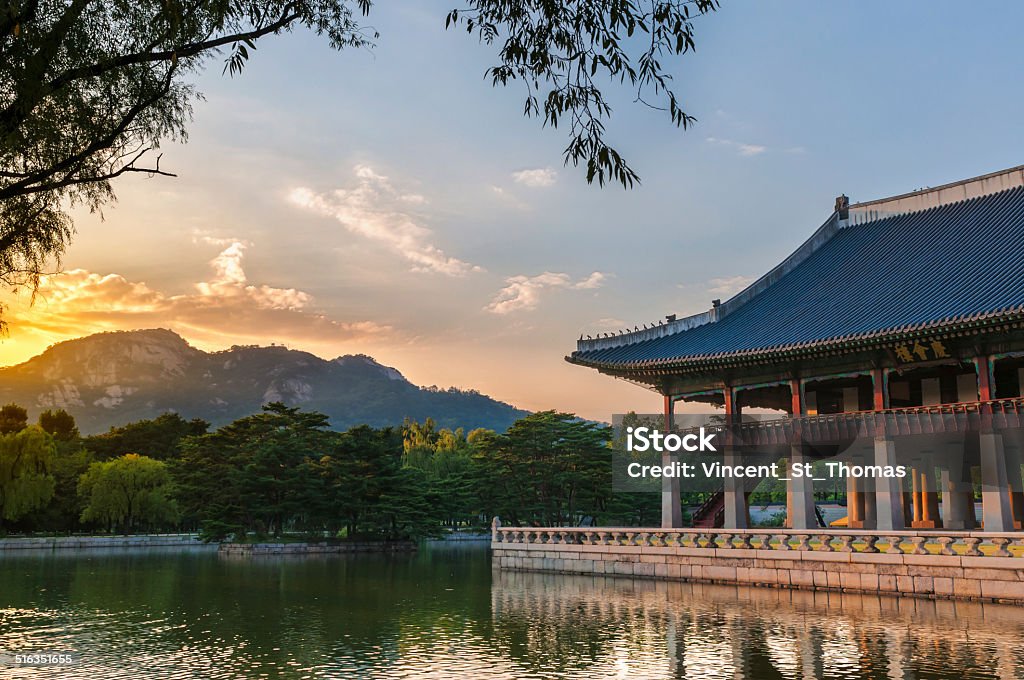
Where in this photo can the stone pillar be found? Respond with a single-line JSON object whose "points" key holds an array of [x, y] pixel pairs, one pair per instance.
{"points": [[931, 498], [957, 494], [736, 514], [671, 505], [870, 505], [800, 493], [880, 401], [997, 513], [888, 490], [1016, 484]]}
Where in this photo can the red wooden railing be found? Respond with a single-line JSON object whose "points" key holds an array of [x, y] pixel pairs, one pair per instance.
{"points": [[935, 419]]}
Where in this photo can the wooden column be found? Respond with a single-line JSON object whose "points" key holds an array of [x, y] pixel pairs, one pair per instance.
{"points": [[729, 396], [879, 398], [983, 366], [926, 506], [854, 503], [915, 490]]}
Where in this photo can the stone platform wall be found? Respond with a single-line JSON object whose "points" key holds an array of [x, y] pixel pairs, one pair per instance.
{"points": [[803, 565]]}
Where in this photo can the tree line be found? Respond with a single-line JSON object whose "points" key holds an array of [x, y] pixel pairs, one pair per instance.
{"points": [[284, 471]]}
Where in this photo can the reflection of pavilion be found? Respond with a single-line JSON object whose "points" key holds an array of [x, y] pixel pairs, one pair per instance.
{"points": [[893, 335], [659, 629]]}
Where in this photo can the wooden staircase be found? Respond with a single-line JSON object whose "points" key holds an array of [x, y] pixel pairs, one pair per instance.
{"points": [[711, 513]]}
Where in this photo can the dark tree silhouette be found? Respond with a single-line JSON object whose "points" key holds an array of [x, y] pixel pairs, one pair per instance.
{"points": [[90, 88]]}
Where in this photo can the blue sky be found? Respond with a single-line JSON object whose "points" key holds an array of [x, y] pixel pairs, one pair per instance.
{"points": [[392, 202]]}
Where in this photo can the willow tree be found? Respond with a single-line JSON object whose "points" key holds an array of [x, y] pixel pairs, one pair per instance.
{"points": [[25, 480], [90, 88], [128, 492]]}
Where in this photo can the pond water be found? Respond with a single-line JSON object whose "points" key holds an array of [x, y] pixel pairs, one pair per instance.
{"points": [[443, 613]]}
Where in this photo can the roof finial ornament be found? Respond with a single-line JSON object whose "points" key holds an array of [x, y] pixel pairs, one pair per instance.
{"points": [[843, 206]]}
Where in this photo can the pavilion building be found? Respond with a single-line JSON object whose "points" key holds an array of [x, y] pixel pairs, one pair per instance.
{"points": [[895, 332]]}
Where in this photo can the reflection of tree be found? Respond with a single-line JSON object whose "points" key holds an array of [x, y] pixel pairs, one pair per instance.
{"points": [[542, 632], [194, 614]]}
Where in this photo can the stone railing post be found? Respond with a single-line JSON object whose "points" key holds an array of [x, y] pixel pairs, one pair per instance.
{"points": [[918, 545], [1000, 545], [972, 546], [894, 545]]}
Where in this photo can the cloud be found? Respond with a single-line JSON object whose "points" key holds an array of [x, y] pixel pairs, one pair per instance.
{"points": [[201, 236], [536, 177], [741, 148], [523, 292], [227, 308], [728, 286], [375, 210]]}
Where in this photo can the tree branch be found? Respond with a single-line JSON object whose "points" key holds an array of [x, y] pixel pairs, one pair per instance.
{"points": [[182, 52], [28, 185]]}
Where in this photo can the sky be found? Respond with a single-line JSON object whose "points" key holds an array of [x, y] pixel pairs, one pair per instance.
{"points": [[391, 202]]}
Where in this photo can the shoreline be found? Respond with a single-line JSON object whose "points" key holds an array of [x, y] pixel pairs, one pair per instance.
{"points": [[92, 542], [259, 549]]}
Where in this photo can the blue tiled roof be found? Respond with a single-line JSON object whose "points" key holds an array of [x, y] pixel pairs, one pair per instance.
{"points": [[921, 269]]}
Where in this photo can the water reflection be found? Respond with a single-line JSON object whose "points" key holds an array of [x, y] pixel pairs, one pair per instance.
{"points": [[443, 614], [650, 629]]}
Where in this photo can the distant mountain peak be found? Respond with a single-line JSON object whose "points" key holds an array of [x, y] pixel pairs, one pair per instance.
{"points": [[367, 360], [117, 377]]}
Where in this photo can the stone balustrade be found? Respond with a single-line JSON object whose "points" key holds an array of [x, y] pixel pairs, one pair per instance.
{"points": [[969, 543], [974, 565]]}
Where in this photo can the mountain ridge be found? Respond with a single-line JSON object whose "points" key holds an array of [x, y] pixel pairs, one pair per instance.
{"points": [[112, 378]]}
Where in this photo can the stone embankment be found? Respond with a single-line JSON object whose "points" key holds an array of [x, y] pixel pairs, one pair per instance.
{"points": [[934, 564], [90, 542], [253, 549]]}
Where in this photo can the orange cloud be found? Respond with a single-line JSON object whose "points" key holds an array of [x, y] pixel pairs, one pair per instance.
{"points": [[226, 309]]}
